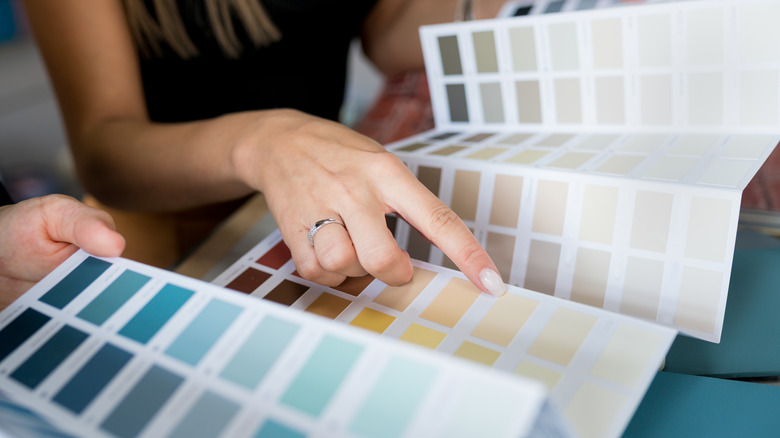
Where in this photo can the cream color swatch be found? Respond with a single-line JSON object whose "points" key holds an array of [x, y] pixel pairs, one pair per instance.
{"points": [[562, 336]]}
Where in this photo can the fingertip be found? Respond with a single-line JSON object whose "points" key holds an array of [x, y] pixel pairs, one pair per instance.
{"points": [[491, 282], [105, 242]]}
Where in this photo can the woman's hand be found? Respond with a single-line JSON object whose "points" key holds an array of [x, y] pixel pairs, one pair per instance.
{"points": [[38, 234], [312, 169]]}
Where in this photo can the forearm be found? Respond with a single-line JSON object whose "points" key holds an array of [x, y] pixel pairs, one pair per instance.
{"points": [[138, 165]]}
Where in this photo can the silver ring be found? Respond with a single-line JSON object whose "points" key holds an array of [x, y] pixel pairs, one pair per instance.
{"points": [[319, 224]]}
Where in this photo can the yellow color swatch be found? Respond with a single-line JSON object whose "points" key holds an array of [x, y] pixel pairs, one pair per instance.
{"points": [[373, 320], [453, 301], [562, 336], [527, 156], [505, 319], [533, 371], [487, 153], [477, 353], [423, 336]]}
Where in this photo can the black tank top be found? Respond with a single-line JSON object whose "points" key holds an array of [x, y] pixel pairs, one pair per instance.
{"points": [[304, 70]]}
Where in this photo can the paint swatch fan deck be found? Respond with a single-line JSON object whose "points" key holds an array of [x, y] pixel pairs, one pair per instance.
{"points": [[600, 156]]}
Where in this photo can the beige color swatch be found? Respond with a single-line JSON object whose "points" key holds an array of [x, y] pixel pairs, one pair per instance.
{"points": [[399, 297], [539, 373], [505, 208], [591, 274], [550, 209], [593, 409], [563, 335], [599, 210], [624, 360], [507, 316], [697, 306], [642, 287], [465, 194], [452, 302]]}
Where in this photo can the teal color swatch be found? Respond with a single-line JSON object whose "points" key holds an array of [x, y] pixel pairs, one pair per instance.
{"points": [[207, 418], [322, 375], [48, 357], [394, 399], [113, 297], [92, 378], [19, 330], [193, 343], [75, 282], [274, 429], [260, 351], [143, 401], [156, 313]]}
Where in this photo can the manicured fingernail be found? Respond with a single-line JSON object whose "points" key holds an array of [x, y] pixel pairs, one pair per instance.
{"points": [[492, 282]]}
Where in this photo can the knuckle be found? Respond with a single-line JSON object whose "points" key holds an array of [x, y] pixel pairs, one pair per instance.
{"points": [[443, 220], [470, 254], [378, 262], [337, 259], [308, 269]]}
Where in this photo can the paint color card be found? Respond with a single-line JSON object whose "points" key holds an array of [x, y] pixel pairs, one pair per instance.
{"points": [[178, 357], [619, 142], [570, 348]]}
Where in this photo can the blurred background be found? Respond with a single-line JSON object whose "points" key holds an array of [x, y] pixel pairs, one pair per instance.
{"points": [[34, 157]]}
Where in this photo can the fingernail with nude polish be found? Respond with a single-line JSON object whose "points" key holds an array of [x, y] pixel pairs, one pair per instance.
{"points": [[492, 282]]}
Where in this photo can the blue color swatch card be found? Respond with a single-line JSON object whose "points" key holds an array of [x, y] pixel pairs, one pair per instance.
{"points": [[114, 348]]}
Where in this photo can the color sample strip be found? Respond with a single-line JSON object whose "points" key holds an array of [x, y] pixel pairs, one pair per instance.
{"points": [[621, 360], [355, 285], [156, 313], [549, 377], [113, 297], [92, 378], [248, 280], [399, 297], [452, 302], [139, 405], [507, 316], [275, 429], [208, 417], [394, 399], [562, 336], [328, 305], [276, 257], [321, 376], [477, 353], [286, 293], [19, 330], [373, 320], [259, 352], [49, 356], [193, 343], [423, 336], [592, 410], [75, 282]]}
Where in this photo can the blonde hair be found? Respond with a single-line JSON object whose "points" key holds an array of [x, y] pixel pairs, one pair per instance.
{"points": [[168, 28]]}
